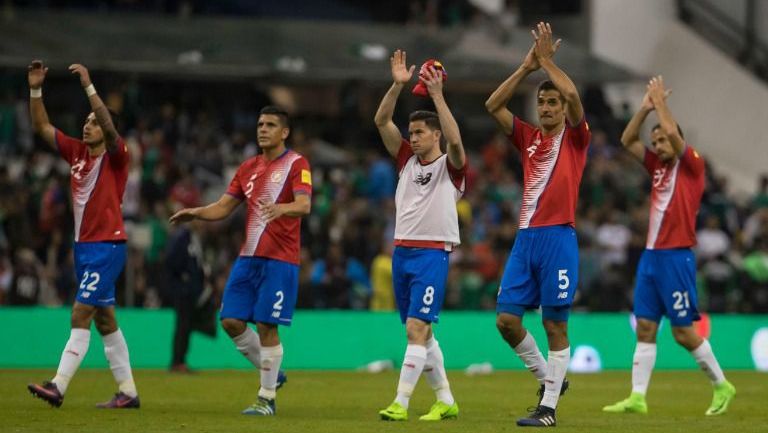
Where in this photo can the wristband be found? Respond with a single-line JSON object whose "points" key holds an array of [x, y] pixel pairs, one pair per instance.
{"points": [[90, 90], [36, 93]]}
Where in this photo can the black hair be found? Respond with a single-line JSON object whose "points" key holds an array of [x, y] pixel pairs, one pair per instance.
{"points": [[432, 120], [549, 85], [679, 131], [279, 112]]}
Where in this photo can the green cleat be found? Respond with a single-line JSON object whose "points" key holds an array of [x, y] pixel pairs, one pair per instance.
{"points": [[440, 411], [395, 412], [722, 397], [634, 404]]}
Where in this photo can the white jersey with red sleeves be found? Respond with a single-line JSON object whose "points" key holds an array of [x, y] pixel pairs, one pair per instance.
{"points": [[425, 200], [97, 184], [552, 169], [276, 181], [676, 191]]}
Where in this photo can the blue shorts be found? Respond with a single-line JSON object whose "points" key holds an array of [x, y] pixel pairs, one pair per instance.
{"points": [[97, 266], [665, 284], [542, 269], [419, 276], [261, 290]]}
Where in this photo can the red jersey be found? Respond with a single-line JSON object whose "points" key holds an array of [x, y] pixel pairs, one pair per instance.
{"points": [[552, 169], [276, 181], [676, 193], [97, 184]]}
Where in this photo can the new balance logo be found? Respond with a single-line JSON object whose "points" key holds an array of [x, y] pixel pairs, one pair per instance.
{"points": [[424, 310], [423, 180], [275, 314], [562, 295], [682, 313]]}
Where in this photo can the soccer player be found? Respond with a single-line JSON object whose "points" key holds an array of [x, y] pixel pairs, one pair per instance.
{"points": [[99, 172], [264, 282], [426, 230], [666, 275], [542, 269]]}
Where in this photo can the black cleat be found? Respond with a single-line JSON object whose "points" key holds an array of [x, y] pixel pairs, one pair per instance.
{"points": [[48, 391], [540, 392], [121, 401], [542, 416]]}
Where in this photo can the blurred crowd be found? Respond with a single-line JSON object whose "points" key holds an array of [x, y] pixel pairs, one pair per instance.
{"points": [[185, 149]]}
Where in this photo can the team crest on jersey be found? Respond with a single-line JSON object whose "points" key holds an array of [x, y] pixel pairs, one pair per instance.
{"points": [[277, 176], [422, 179]]}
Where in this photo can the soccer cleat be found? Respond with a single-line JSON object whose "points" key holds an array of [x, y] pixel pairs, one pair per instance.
{"points": [[48, 391], [395, 412], [563, 388], [634, 404], [440, 411], [121, 401], [262, 407], [722, 397], [281, 379], [542, 416]]}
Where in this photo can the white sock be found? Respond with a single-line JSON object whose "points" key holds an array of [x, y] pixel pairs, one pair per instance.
{"points": [[557, 365], [74, 352], [249, 345], [271, 358], [708, 363], [642, 366], [531, 356], [116, 351], [434, 371], [413, 364]]}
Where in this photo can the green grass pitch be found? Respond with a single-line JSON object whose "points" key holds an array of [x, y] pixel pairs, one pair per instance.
{"points": [[330, 401]]}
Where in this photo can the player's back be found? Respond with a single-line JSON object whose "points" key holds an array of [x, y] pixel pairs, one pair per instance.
{"points": [[97, 184]]}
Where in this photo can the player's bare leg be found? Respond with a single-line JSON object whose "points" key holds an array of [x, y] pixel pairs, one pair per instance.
{"points": [[74, 351]]}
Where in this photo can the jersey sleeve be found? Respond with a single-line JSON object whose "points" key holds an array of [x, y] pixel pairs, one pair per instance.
{"points": [[580, 133], [301, 177], [457, 175], [69, 147], [650, 161], [403, 155], [235, 188], [691, 160], [521, 133], [119, 157]]}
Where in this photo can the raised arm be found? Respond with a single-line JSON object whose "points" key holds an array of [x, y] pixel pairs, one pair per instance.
{"points": [[401, 74], [544, 51], [36, 76], [668, 124], [212, 212], [434, 82], [630, 138], [497, 102], [97, 106]]}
